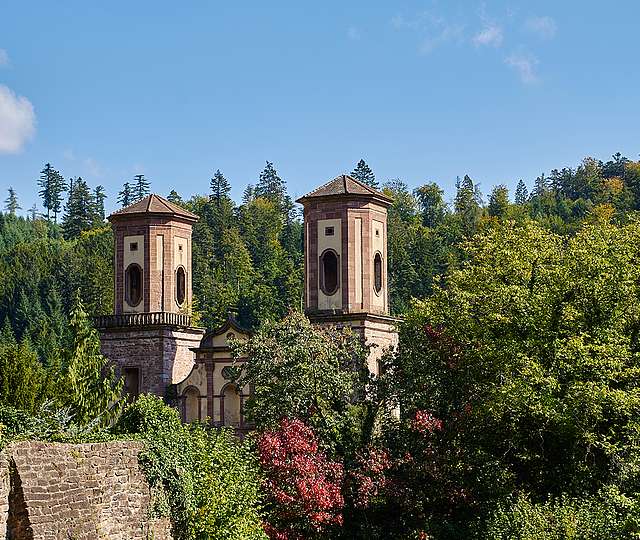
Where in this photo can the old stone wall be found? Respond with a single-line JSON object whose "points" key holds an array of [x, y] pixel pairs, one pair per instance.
{"points": [[57, 491]]}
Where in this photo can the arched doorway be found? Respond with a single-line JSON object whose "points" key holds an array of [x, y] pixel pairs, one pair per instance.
{"points": [[191, 404], [231, 405]]}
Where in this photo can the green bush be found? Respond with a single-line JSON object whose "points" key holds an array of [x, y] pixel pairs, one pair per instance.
{"points": [[206, 481], [607, 515]]}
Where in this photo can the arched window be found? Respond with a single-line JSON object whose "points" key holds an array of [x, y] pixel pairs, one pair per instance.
{"points": [[377, 272], [191, 404], [133, 285], [231, 400], [181, 285], [329, 272]]}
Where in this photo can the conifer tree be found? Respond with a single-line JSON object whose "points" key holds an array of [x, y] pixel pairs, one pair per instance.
{"points": [[95, 392], [522, 195], [125, 197], [11, 202], [248, 194], [270, 186], [80, 209], [431, 200], [364, 174], [52, 186], [99, 197], [499, 201], [174, 197], [141, 187], [33, 212], [220, 187]]}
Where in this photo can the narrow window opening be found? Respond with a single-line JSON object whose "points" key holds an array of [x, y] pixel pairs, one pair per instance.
{"points": [[329, 231], [133, 285], [377, 272], [181, 286], [131, 382], [133, 246], [329, 275]]}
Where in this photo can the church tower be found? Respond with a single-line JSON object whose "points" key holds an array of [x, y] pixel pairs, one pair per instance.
{"points": [[346, 280], [149, 336]]}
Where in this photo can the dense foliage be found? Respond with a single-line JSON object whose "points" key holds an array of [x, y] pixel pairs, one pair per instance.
{"points": [[516, 377]]}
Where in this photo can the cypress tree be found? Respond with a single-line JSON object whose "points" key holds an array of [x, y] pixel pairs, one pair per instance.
{"points": [[364, 174], [11, 202]]}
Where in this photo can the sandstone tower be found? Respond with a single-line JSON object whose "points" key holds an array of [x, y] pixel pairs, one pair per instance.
{"points": [[149, 336], [346, 261]]}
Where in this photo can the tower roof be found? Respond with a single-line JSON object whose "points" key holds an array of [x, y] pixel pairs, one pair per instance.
{"points": [[153, 205], [345, 186]]}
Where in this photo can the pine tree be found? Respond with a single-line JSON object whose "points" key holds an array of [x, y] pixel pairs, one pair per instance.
{"points": [[431, 200], [141, 187], [248, 194], [125, 197], [52, 186], [33, 212], [522, 195], [364, 174], [94, 390], [11, 202], [499, 201], [540, 186], [220, 187], [99, 197], [270, 186], [175, 198], [80, 209]]}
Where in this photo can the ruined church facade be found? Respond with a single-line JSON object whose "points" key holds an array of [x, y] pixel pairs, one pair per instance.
{"points": [[150, 336]]}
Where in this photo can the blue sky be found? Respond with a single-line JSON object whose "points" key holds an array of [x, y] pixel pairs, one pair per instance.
{"points": [[423, 91]]}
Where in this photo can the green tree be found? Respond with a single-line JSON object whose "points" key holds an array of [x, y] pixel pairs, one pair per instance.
{"points": [[175, 198], [270, 186], [299, 371], [431, 200], [522, 195], [220, 187], [499, 201], [80, 209], [11, 202], [527, 355], [364, 174], [141, 187], [52, 186], [94, 390], [125, 197], [99, 197]]}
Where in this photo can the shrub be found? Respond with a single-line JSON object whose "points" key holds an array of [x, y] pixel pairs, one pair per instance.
{"points": [[205, 480]]}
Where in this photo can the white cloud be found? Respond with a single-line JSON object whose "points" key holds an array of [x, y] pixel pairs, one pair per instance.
{"points": [[491, 34], [353, 33], [93, 167], [4, 58], [543, 27], [524, 65], [17, 121]]}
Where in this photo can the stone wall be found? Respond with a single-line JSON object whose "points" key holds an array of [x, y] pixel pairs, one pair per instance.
{"points": [[91, 491]]}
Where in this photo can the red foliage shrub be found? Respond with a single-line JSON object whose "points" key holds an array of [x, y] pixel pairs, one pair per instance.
{"points": [[302, 486]]}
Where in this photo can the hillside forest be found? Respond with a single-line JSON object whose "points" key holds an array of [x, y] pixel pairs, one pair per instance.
{"points": [[516, 375]]}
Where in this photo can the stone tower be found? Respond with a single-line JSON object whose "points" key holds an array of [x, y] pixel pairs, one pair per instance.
{"points": [[149, 336], [346, 261]]}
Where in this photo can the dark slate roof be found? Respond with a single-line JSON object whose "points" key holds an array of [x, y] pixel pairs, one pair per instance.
{"points": [[154, 204], [345, 185]]}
